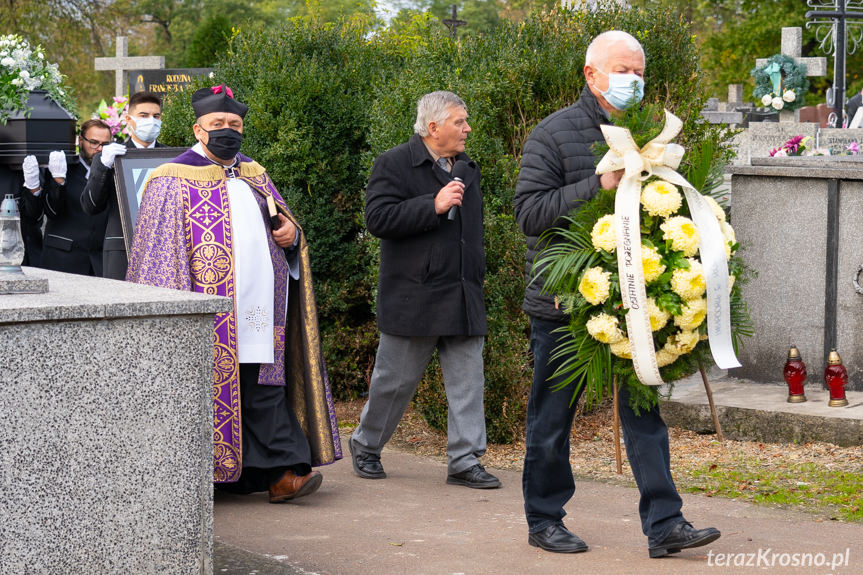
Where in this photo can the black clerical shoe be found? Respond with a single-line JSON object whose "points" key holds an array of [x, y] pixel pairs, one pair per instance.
{"points": [[683, 536], [476, 477], [557, 539], [366, 465]]}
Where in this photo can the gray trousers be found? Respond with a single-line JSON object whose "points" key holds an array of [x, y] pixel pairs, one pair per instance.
{"points": [[399, 366]]}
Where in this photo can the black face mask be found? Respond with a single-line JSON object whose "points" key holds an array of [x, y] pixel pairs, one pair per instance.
{"points": [[224, 143]]}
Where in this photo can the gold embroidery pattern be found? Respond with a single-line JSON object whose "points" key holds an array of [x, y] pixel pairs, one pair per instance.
{"points": [[211, 264], [227, 463]]}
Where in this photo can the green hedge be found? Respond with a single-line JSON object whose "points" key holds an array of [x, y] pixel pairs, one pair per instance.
{"points": [[326, 99]]}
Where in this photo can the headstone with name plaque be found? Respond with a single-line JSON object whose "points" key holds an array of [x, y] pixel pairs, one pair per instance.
{"points": [[162, 82]]}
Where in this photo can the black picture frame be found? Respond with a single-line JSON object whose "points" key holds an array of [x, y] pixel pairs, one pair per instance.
{"points": [[131, 172]]}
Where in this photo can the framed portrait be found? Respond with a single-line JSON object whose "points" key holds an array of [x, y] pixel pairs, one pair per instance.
{"points": [[131, 171]]}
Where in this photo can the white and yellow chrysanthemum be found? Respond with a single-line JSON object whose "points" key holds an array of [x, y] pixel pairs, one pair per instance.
{"points": [[682, 342], [731, 280], [665, 357], [621, 349], [604, 234], [595, 285], [717, 209], [604, 328], [658, 317], [661, 198], [683, 234], [651, 263], [693, 313], [689, 284]]}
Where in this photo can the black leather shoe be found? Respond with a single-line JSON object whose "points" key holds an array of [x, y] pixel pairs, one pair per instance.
{"points": [[476, 477], [557, 539], [683, 536], [366, 465]]}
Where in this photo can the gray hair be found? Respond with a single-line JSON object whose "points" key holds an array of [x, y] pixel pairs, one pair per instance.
{"points": [[597, 57], [434, 107]]}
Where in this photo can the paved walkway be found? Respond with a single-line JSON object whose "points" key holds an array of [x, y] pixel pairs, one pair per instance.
{"points": [[413, 523]]}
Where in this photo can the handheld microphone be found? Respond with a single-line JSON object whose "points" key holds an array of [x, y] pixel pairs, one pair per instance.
{"points": [[460, 170]]}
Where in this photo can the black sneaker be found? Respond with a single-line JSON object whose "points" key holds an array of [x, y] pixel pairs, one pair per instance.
{"points": [[366, 465], [683, 536], [476, 477]]}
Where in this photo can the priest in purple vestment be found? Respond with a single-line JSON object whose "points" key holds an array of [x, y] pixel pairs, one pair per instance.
{"points": [[206, 224]]}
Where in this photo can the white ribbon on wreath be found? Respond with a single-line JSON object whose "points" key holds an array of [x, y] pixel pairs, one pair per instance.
{"points": [[660, 158]]}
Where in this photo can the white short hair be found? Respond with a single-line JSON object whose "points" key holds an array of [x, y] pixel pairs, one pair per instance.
{"points": [[434, 107], [597, 57]]}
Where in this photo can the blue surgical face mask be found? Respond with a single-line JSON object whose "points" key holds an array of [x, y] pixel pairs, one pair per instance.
{"points": [[147, 129], [624, 90]]}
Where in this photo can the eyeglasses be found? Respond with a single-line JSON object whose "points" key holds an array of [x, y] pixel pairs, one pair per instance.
{"points": [[95, 143]]}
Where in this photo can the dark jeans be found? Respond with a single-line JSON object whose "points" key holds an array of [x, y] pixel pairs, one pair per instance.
{"points": [[547, 479]]}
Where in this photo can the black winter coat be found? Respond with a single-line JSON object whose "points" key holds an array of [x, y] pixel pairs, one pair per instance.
{"points": [[432, 269], [558, 173], [73, 239], [100, 195]]}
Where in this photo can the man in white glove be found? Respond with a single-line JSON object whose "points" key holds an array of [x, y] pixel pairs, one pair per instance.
{"points": [[24, 185], [73, 238], [110, 152], [144, 121], [31, 175]]}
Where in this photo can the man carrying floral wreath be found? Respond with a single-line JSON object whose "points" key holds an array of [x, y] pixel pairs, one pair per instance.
{"points": [[558, 174]]}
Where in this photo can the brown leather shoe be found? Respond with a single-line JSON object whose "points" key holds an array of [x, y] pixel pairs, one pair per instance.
{"points": [[291, 486]]}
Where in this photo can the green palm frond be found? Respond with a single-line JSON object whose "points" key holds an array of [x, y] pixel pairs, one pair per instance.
{"points": [[587, 364]]}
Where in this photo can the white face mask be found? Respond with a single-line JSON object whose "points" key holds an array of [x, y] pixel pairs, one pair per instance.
{"points": [[624, 90], [147, 129]]}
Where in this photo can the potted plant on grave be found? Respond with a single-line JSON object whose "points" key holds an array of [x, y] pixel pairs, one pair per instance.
{"points": [[37, 113], [780, 84]]}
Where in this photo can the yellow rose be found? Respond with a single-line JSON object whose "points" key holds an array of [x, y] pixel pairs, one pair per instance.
{"points": [[717, 209], [683, 234], [604, 328], [651, 263], [689, 284], [661, 198], [658, 317], [595, 285], [693, 313], [604, 234]]}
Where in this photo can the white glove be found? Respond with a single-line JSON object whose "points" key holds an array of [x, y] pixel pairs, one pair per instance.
{"points": [[57, 165], [31, 173], [110, 152]]}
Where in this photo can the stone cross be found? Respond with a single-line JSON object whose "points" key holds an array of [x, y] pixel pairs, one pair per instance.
{"points": [[792, 46], [122, 63]]}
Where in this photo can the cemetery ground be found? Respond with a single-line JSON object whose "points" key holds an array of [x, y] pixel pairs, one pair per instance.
{"points": [[820, 478], [776, 500]]}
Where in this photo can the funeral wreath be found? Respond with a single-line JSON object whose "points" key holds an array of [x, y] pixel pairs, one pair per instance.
{"points": [[647, 273], [780, 83], [23, 69]]}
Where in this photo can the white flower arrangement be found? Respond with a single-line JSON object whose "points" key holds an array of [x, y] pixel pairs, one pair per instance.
{"points": [[24, 69]]}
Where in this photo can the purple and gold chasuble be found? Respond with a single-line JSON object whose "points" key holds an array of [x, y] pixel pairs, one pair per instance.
{"points": [[183, 240]]}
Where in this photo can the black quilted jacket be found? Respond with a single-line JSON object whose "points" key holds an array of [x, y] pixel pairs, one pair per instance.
{"points": [[557, 174]]}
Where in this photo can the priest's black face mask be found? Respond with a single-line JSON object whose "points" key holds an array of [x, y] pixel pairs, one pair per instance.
{"points": [[221, 133]]}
